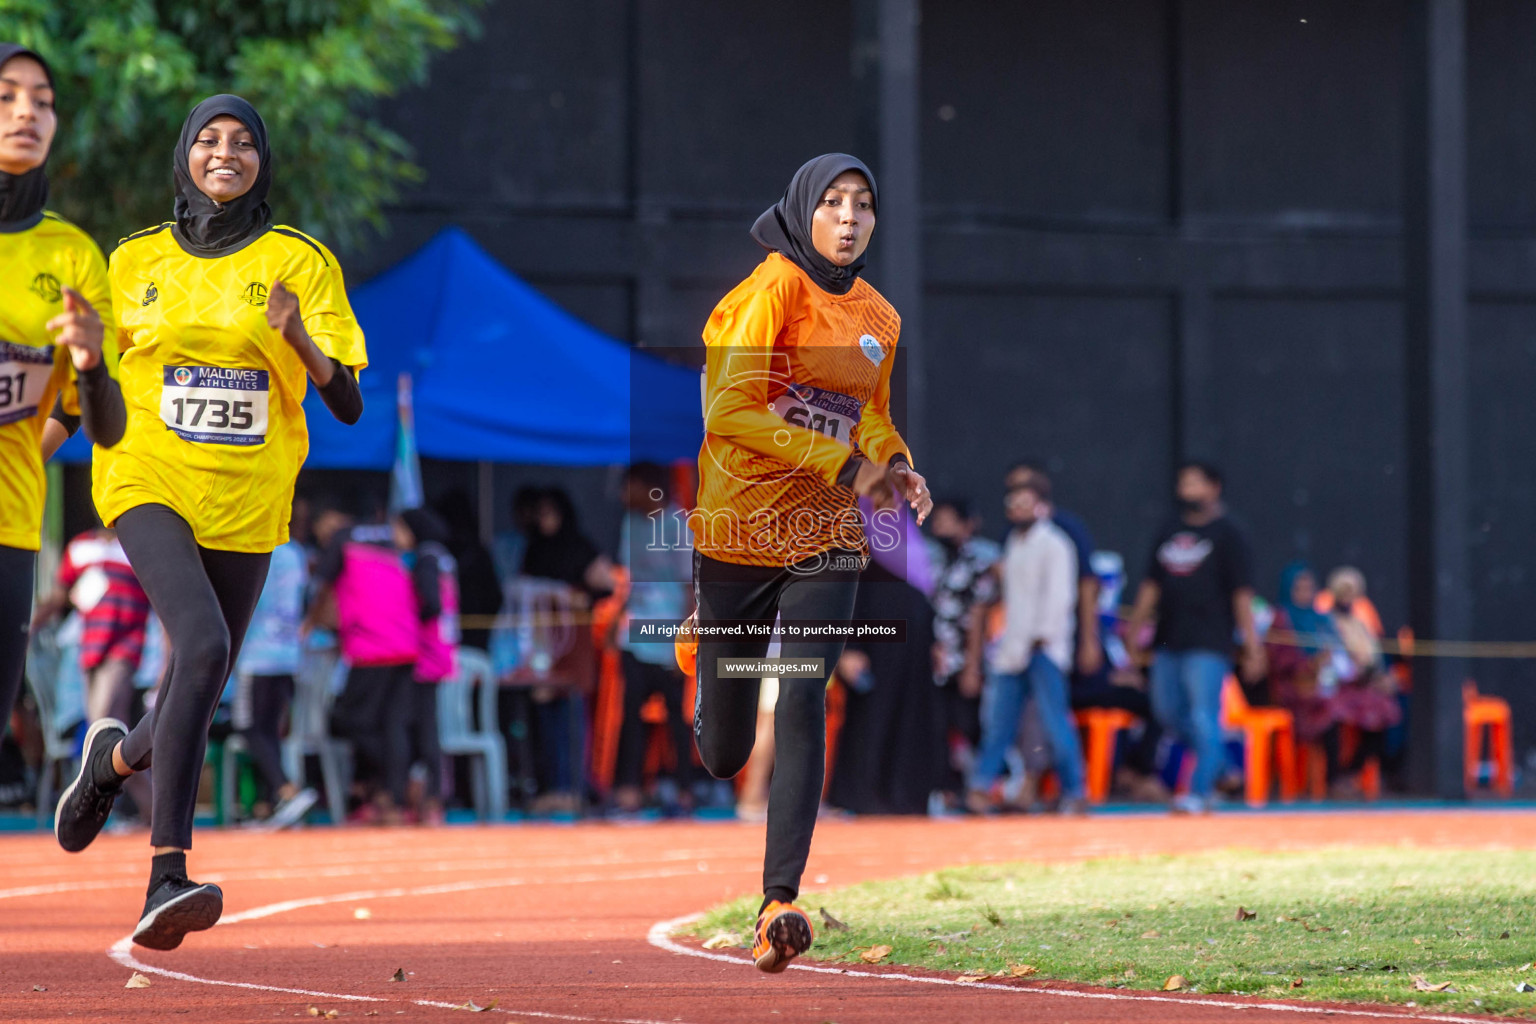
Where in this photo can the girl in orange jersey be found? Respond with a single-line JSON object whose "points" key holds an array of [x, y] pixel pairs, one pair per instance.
{"points": [[797, 426]]}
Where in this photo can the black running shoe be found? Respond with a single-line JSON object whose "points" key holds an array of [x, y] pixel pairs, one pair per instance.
{"points": [[84, 807], [177, 906]]}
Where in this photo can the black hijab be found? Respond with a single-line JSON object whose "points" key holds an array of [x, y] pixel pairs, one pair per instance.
{"points": [[22, 196], [785, 227], [425, 526], [206, 227], [565, 554]]}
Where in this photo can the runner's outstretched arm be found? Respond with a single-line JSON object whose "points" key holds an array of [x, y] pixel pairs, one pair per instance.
{"points": [[101, 400]]}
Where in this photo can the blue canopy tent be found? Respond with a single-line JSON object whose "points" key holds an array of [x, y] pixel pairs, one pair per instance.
{"points": [[500, 374]]}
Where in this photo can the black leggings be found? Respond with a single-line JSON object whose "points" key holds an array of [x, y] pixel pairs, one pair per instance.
{"points": [[16, 568], [268, 698], [373, 714], [422, 727], [641, 679], [1371, 744], [725, 712], [204, 599]]}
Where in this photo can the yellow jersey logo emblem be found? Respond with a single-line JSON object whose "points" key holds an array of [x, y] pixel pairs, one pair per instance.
{"points": [[46, 287], [255, 293]]}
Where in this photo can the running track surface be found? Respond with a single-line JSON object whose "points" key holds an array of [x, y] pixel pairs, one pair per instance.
{"points": [[560, 923]]}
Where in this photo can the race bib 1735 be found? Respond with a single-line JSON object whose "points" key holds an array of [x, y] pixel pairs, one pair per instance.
{"points": [[24, 373], [215, 405]]}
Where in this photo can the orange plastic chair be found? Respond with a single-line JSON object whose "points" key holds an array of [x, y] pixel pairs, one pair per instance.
{"points": [[1370, 772], [1479, 713], [1102, 727], [608, 701], [1311, 770], [837, 714], [1404, 667], [1370, 779], [1312, 767], [685, 648], [1269, 735]]}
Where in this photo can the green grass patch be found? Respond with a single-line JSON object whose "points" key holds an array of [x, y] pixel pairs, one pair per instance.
{"points": [[1346, 924]]}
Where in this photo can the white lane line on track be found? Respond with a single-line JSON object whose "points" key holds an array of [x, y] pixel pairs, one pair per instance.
{"points": [[121, 951], [660, 936], [546, 1016], [445, 887], [404, 867], [58, 887]]}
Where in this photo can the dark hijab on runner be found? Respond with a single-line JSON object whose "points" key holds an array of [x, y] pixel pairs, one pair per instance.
{"points": [[207, 227], [785, 226], [22, 196]]}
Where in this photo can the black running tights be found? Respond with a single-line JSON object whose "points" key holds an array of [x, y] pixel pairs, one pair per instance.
{"points": [[16, 568], [725, 711], [269, 698], [204, 599]]}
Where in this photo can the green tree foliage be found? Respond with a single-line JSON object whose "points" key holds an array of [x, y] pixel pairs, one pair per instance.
{"points": [[128, 71]]}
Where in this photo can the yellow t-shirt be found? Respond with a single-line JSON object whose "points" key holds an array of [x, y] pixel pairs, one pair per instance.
{"points": [[35, 266], [215, 418]]}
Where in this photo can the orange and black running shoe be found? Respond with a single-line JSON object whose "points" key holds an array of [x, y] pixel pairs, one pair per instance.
{"points": [[783, 932]]}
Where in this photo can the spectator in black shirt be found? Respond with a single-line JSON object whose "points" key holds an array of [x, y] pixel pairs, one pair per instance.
{"points": [[1199, 587]]}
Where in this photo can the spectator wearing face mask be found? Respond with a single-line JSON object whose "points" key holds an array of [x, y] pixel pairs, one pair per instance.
{"points": [[1199, 589]]}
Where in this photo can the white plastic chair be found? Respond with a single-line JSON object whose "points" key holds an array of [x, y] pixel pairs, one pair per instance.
{"points": [[45, 670], [309, 729], [459, 738]]}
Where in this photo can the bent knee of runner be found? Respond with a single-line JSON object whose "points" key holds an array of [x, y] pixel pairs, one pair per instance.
{"points": [[723, 757], [206, 655]]}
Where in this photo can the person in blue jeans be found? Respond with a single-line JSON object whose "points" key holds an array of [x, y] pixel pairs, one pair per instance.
{"points": [[1199, 588], [1037, 584]]}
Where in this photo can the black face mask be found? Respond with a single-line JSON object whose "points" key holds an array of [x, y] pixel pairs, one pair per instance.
{"points": [[1189, 506], [949, 544], [23, 196]]}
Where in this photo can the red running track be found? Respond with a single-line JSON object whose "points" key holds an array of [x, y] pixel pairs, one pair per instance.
{"points": [[554, 923]]}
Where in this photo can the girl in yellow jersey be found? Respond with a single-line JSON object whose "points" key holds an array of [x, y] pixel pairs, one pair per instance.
{"points": [[223, 320], [54, 353], [797, 424]]}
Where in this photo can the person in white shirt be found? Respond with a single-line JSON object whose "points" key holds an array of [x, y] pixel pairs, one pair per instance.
{"points": [[1037, 584]]}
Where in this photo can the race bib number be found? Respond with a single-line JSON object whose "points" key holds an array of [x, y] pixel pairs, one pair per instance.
{"points": [[24, 373], [827, 412], [214, 405]]}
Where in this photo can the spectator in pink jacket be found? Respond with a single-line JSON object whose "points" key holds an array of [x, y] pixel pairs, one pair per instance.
{"points": [[380, 605], [424, 537]]}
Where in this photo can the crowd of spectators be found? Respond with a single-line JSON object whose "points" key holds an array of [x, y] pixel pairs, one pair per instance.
{"points": [[1009, 638]]}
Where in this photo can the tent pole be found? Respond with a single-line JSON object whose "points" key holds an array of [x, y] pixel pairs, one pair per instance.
{"points": [[485, 489]]}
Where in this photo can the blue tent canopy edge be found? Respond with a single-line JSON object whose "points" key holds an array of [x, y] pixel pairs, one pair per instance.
{"points": [[500, 374]]}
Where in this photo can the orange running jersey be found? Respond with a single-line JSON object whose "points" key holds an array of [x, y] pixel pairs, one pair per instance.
{"points": [[795, 380]]}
